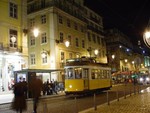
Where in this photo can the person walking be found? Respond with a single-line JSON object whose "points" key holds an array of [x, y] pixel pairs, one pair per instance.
{"points": [[35, 87], [19, 102]]}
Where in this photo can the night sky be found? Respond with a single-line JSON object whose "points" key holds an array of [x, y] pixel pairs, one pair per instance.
{"points": [[130, 16]]}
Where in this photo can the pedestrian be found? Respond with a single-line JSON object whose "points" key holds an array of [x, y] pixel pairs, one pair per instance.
{"points": [[19, 102], [44, 88], [53, 87], [35, 87], [25, 84]]}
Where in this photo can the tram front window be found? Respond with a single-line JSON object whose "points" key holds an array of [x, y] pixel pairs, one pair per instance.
{"points": [[69, 73]]}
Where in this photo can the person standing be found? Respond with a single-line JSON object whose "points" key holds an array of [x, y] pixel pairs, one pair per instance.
{"points": [[25, 85], [19, 102], [35, 87]]}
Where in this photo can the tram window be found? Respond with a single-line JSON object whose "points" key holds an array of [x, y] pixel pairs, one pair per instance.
{"points": [[105, 73], [98, 74], [70, 73], [93, 74], [78, 73], [102, 74], [108, 74], [85, 73]]}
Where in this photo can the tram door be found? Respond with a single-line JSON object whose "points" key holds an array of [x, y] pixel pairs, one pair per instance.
{"points": [[86, 78]]}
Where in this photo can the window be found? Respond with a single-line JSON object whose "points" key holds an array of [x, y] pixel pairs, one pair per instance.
{"points": [[43, 19], [82, 29], [32, 22], [43, 38], [62, 56], [70, 55], [44, 59], [32, 59], [69, 39], [77, 42], [78, 72], [60, 20], [61, 37], [98, 40], [13, 10], [94, 39], [68, 23], [32, 41], [13, 38], [89, 36], [75, 26], [69, 73], [83, 44]]}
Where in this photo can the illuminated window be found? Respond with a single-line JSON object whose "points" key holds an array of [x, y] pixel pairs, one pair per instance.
{"points": [[32, 41], [44, 59], [43, 38], [32, 59], [13, 38]]}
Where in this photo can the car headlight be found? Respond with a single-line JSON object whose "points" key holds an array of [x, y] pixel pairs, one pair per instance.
{"points": [[141, 79]]}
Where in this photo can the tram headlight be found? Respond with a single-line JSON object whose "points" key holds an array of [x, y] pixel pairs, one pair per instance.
{"points": [[141, 79], [147, 79], [70, 86]]}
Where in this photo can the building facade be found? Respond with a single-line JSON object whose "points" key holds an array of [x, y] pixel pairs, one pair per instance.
{"points": [[127, 58], [58, 21], [13, 44]]}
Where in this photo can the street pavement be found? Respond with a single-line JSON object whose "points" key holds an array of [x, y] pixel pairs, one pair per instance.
{"points": [[135, 103]]}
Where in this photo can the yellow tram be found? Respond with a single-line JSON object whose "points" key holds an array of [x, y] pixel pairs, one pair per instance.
{"points": [[84, 75]]}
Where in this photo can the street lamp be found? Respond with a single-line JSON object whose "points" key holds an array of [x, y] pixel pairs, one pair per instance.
{"points": [[146, 35], [36, 32], [67, 43], [96, 52]]}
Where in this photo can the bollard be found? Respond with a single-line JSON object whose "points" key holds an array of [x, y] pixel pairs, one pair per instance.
{"points": [[124, 93], [130, 91], [45, 110], [134, 90], [108, 99], [117, 95], [76, 110], [138, 89], [95, 107]]}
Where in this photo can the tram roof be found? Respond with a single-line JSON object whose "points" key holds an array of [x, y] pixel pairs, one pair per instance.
{"points": [[38, 70], [84, 61]]}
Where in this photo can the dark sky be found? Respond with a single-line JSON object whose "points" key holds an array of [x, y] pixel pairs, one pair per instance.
{"points": [[129, 16]]}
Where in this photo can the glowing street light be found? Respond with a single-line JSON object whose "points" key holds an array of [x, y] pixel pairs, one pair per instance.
{"points": [[146, 35], [36, 32]]}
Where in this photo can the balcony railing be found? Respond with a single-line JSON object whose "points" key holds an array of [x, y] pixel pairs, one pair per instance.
{"points": [[8, 47]]}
